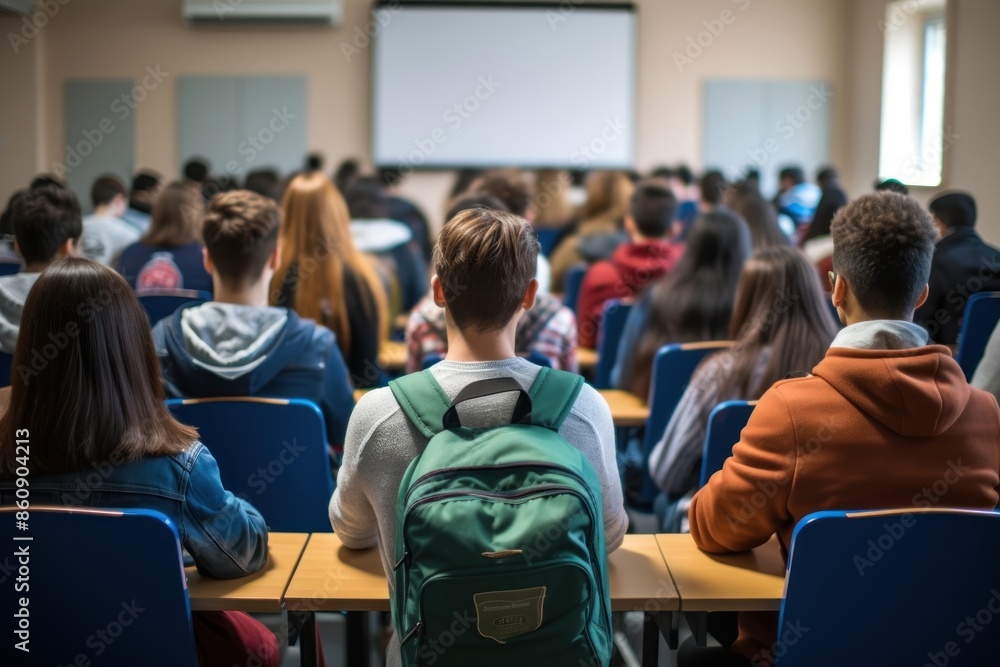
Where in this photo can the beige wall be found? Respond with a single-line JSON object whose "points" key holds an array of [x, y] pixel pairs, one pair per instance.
{"points": [[834, 40]]}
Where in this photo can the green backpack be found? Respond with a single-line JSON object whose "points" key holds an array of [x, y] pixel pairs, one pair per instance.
{"points": [[500, 556]]}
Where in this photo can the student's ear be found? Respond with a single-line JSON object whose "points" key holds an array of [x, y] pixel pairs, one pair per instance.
{"points": [[275, 260], [206, 261], [529, 295], [839, 296], [66, 249], [437, 291], [923, 296]]}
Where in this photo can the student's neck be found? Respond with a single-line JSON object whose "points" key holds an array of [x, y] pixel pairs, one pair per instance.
{"points": [[104, 212], [255, 295], [36, 267], [494, 346]]}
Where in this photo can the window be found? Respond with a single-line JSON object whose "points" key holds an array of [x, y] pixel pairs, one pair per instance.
{"points": [[913, 75]]}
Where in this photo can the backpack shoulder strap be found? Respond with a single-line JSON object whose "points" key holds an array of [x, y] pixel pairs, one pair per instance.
{"points": [[423, 401], [552, 397]]}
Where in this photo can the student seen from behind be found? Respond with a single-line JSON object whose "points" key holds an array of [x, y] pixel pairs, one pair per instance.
{"points": [[484, 263], [238, 345], [47, 226], [112, 424], [880, 420], [105, 233]]}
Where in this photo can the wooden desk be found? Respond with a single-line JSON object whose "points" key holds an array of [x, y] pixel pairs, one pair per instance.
{"points": [[626, 409], [260, 592], [392, 356], [331, 577], [587, 359], [748, 581]]}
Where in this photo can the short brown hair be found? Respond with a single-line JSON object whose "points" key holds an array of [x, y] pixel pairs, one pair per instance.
{"points": [[485, 259], [507, 186], [882, 245], [105, 189], [177, 217], [241, 232]]}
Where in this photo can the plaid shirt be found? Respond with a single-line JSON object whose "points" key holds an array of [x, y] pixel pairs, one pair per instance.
{"points": [[548, 329]]}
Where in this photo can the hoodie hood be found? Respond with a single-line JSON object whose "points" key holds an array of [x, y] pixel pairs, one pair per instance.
{"points": [[220, 349], [917, 392], [595, 247], [649, 257]]}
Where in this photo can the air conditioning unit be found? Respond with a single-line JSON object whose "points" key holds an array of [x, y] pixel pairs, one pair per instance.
{"points": [[222, 12], [17, 7]]}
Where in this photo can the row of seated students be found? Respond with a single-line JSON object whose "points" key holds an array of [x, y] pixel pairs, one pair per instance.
{"points": [[879, 395]]}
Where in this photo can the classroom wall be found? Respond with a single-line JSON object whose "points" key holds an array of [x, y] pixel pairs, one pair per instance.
{"points": [[972, 97], [834, 40]]}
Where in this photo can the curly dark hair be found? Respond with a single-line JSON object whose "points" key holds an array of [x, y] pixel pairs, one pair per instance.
{"points": [[882, 246]]}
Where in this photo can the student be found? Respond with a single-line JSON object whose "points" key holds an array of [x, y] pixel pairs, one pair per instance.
{"points": [[987, 375], [169, 255], [323, 277], [891, 185], [692, 304], [883, 416], [196, 171], [399, 256], [650, 254], [238, 345], [402, 209], [47, 226], [550, 201], [711, 189], [762, 220], [510, 187], [781, 324], [600, 228], [963, 265], [145, 190], [547, 329], [105, 234], [265, 182], [485, 263], [105, 388], [796, 201]]}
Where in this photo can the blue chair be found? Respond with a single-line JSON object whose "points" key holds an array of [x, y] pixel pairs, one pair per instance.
{"points": [[572, 282], [724, 426], [673, 367], [9, 267], [6, 365], [613, 318], [271, 452], [982, 312], [548, 239], [106, 584], [164, 303], [896, 587]]}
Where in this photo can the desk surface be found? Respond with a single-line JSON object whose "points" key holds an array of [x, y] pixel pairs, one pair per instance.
{"points": [[626, 409], [331, 577], [392, 356], [259, 592], [748, 581], [587, 359]]}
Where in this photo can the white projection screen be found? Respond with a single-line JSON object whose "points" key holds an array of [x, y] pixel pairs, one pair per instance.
{"points": [[489, 84]]}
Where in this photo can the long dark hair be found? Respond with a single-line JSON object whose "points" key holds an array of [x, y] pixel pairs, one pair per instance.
{"points": [[694, 302], [177, 217], [779, 305], [760, 216], [86, 381]]}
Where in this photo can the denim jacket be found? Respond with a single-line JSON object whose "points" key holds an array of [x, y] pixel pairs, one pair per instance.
{"points": [[224, 534]]}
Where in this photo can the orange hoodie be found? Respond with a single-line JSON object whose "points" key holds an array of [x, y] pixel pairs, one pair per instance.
{"points": [[870, 429]]}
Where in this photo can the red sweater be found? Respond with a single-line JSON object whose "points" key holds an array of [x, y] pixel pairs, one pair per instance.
{"points": [[630, 269], [870, 429]]}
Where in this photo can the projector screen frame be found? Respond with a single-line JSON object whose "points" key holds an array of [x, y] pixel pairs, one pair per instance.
{"points": [[406, 167]]}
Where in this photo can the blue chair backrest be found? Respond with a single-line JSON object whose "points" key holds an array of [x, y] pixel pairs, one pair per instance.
{"points": [[164, 303], [724, 426], [9, 267], [572, 282], [271, 452], [6, 365], [899, 587], [613, 319], [673, 366], [548, 239], [982, 312], [108, 585]]}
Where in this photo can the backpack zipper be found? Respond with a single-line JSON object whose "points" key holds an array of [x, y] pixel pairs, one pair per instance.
{"points": [[499, 466]]}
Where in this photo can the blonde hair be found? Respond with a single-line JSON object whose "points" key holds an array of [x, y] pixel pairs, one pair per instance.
{"points": [[316, 237]]}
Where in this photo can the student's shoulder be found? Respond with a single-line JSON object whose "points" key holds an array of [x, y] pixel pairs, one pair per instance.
{"points": [[377, 409], [589, 405]]}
